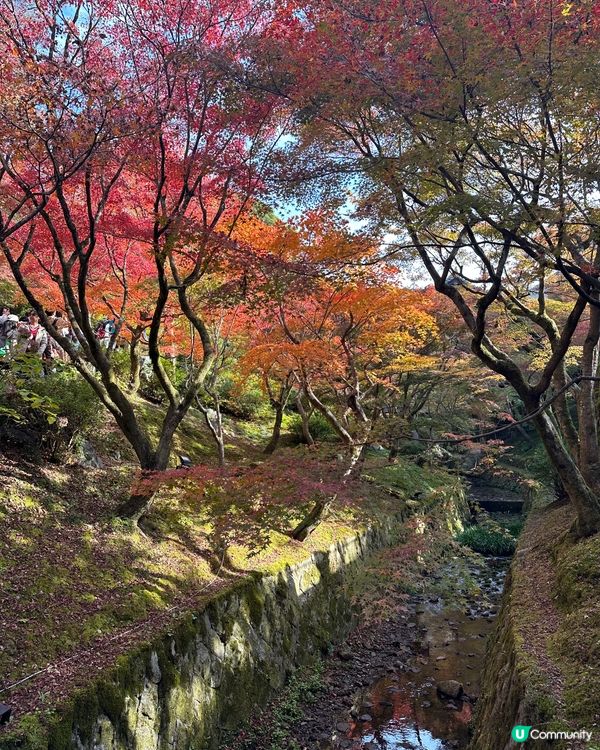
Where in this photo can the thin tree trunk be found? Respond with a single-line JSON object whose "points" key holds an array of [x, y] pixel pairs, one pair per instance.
{"points": [[563, 415], [217, 433], [305, 417], [134, 363], [215, 427], [589, 450]]}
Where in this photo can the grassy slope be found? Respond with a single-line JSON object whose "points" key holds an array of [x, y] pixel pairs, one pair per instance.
{"points": [[79, 588]]}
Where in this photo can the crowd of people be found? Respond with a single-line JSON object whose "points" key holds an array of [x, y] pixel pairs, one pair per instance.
{"points": [[26, 335]]}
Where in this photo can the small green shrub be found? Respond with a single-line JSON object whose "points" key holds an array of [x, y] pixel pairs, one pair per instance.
{"points": [[11, 296], [412, 448], [488, 540], [121, 363], [150, 387], [320, 428], [56, 406], [245, 400], [514, 528]]}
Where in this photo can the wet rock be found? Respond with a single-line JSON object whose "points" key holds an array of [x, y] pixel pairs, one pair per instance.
{"points": [[342, 726], [450, 688], [365, 718]]}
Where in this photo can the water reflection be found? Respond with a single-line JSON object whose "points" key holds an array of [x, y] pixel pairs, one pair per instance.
{"points": [[405, 710]]}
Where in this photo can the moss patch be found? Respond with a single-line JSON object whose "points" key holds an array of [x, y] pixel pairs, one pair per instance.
{"points": [[576, 644], [303, 688]]}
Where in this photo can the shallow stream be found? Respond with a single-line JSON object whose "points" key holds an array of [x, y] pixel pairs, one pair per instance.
{"points": [[405, 709]]}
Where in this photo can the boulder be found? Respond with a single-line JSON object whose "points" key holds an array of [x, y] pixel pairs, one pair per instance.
{"points": [[88, 457], [450, 688]]}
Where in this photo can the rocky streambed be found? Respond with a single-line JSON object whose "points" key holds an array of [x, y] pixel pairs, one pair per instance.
{"points": [[411, 680], [424, 682]]}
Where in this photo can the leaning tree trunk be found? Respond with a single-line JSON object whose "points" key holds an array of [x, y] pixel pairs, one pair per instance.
{"points": [[563, 415], [215, 426], [582, 497], [139, 502], [271, 446], [321, 507], [313, 518], [143, 495]]}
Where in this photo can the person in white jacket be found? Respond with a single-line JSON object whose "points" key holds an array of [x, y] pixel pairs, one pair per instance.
{"points": [[33, 338]]}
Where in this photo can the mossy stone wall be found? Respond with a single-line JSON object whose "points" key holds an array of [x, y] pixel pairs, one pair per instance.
{"points": [[511, 692], [515, 688]]}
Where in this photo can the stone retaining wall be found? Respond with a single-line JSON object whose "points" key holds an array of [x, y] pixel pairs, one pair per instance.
{"points": [[515, 688]]}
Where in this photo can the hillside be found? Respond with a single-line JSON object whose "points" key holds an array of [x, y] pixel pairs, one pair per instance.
{"points": [[81, 587]]}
